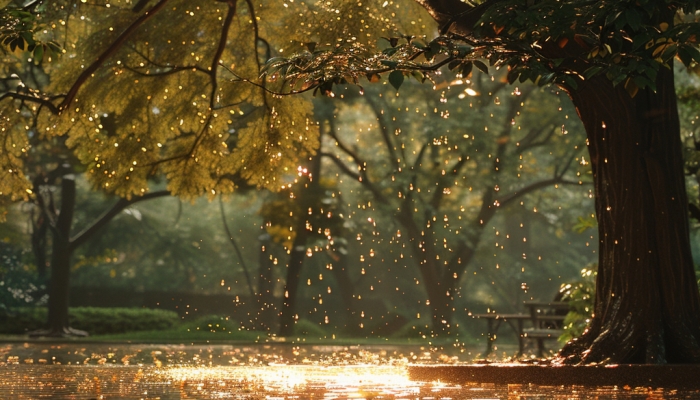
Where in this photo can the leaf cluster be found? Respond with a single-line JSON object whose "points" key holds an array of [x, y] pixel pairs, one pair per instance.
{"points": [[139, 101], [581, 297], [545, 41], [18, 31]]}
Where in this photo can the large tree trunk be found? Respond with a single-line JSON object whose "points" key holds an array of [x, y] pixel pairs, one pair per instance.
{"points": [[647, 308]]}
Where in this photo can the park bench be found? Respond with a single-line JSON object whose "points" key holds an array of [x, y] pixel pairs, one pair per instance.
{"points": [[542, 321]]}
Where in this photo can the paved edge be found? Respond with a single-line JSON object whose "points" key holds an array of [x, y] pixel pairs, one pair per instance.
{"points": [[685, 377]]}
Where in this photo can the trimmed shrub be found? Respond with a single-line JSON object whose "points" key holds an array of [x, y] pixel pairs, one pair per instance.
{"points": [[118, 320], [21, 320], [94, 320]]}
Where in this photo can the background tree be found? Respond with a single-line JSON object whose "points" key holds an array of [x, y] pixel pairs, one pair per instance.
{"points": [[443, 184], [615, 61]]}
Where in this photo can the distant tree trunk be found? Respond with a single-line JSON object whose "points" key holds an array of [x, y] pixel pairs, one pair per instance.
{"points": [[39, 232], [61, 254], [438, 276], [440, 292], [647, 307], [288, 314]]}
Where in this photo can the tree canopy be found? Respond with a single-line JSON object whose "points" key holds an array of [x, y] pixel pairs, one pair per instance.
{"points": [[135, 98], [561, 42]]}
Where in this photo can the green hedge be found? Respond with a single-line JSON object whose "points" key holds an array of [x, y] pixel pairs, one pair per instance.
{"points": [[95, 321]]}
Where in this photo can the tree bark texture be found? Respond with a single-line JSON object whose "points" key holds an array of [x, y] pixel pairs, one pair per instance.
{"points": [[647, 308]]}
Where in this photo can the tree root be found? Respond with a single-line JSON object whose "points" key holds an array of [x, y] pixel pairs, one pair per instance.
{"points": [[670, 341], [65, 332]]}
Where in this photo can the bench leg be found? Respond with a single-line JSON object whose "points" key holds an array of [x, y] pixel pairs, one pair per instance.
{"points": [[489, 337], [540, 347], [521, 340]]}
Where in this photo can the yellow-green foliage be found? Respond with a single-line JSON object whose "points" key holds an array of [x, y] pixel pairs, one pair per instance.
{"points": [[13, 183], [164, 104]]}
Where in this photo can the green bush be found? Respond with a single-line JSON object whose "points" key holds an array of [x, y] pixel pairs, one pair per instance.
{"points": [[94, 320], [581, 298], [19, 320], [117, 320]]}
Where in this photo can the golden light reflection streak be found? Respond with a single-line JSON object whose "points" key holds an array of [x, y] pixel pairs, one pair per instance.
{"points": [[350, 381]]}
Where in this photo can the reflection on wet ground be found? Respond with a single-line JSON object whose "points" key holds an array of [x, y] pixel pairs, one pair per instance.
{"points": [[126, 371]]}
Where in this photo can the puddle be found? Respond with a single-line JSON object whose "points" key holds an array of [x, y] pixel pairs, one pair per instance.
{"points": [[126, 371]]}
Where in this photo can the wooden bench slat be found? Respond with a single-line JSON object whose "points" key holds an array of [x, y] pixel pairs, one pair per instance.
{"points": [[502, 316], [542, 333], [551, 317]]}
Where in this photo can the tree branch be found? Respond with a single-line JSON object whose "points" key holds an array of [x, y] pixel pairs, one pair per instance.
{"points": [[365, 182], [216, 60], [509, 198], [108, 215], [43, 101], [384, 130], [102, 58]]}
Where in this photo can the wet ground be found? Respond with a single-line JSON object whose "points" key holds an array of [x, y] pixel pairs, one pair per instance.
{"points": [[281, 371]]}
